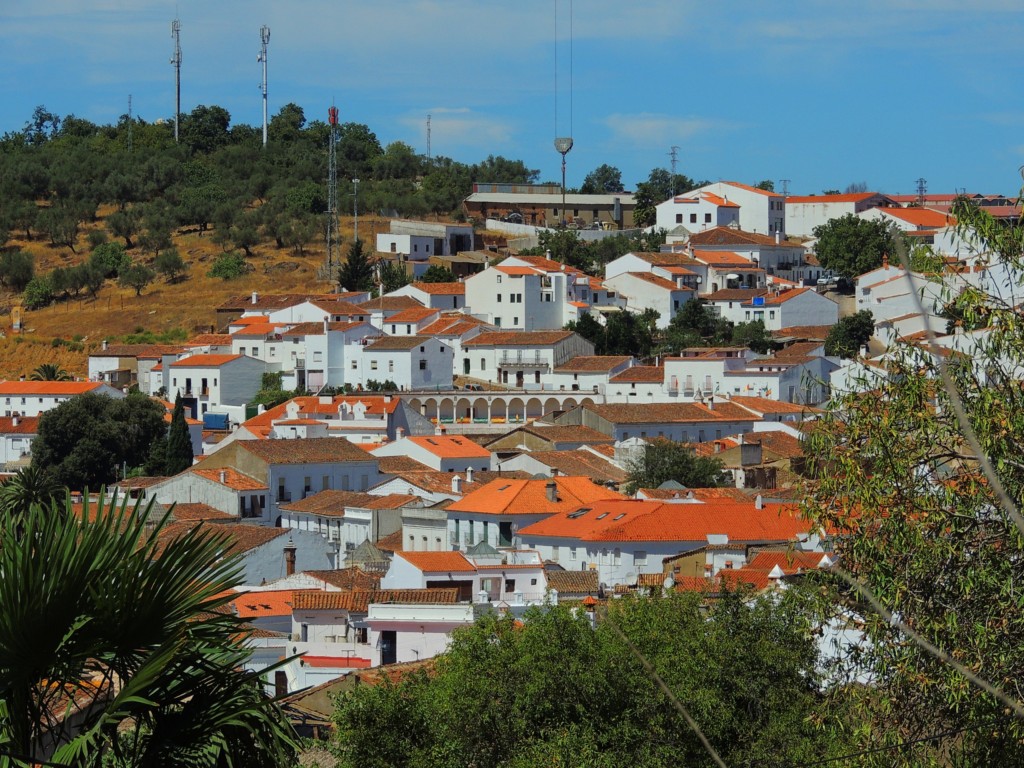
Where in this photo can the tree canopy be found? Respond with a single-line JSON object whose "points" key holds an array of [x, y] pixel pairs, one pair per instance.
{"points": [[605, 179], [846, 337], [663, 460], [851, 246]]}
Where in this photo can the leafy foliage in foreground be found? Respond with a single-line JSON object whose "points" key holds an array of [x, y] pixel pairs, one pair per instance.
{"points": [[153, 668], [551, 690]]}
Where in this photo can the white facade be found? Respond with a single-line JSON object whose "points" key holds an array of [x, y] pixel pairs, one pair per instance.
{"points": [[217, 383], [695, 211], [760, 211], [644, 290], [783, 309], [804, 213], [521, 361], [442, 296], [32, 398], [411, 362], [518, 298]]}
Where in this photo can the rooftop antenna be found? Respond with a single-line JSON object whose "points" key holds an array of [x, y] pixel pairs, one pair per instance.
{"points": [[563, 144], [922, 190], [785, 186], [176, 63], [674, 154], [332, 185], [428, 137], [264, 39]]}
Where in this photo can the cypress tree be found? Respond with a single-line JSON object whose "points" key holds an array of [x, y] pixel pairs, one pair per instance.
{"points": [[179, 442]]}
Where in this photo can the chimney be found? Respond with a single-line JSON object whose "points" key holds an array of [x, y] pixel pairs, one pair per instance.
{"points": [[778, 237], [327, 320], [255, 297], [758, 502], [711, 402], [223, 477], [400, 432], [105, 345], [469, 474], [456, 484], [289, 558], [551, 490], [14, 421], [679, 283], [547, 254]]}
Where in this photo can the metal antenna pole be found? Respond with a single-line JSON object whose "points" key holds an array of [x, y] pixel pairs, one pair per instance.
{"points": [[264, 39], [332, 186], [129, 122], [922, 190], [428, 137], [176, 63], [674, 154], [785, 186], [355, 209]]}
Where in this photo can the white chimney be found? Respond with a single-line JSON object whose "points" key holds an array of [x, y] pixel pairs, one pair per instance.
{"points": [[456, 484], [778, 237], [469, 474], [547, 254], [758, 502], [14, 421], [255, 297], [400, 432], [327, 320], [223, 476], [105, 345]]}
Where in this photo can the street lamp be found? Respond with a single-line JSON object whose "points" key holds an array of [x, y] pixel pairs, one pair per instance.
{"points": [[355, 209], [562, 146]]}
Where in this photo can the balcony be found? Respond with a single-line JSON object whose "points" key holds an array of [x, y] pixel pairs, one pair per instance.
{"points": [[533, 361]]}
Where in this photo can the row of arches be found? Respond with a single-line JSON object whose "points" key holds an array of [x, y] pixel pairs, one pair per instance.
{"points": [[492, 409]]}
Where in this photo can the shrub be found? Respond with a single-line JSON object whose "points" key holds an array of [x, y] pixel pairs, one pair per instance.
{"points": [[38, 293], [17, 269], [229, 266], [110, 259]]}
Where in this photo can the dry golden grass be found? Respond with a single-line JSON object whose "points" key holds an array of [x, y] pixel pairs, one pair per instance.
{"points": [[190, 303]]}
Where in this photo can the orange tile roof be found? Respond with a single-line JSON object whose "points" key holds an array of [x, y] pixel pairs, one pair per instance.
{"points": [[452, 326], [670, 413], [210, 340], [317, 329], [766, 405], [855, 197], [721, 202], [194, 512], [730, 236], [310, 450], [233, 479], [391, 464], [921, 217], [657, 281], [438, 562], [258, 330], [529, 497], [789, 561], [516, 270], [204, 361], [375, 404], [641, 374], [727, 258], [517, 338], [748, 188], [27, 425], [390, 303], [592, 363], [397, 342], [250, 320], [441, 289], [255, 605], [412, 315], [451, 447]]}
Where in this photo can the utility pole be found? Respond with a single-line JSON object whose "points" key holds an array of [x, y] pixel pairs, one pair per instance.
{"points": [[785, 187], [674, 154], [129, 122], [176, 63], [264, 40], [428, 137], [355, 209], [332, 186]]}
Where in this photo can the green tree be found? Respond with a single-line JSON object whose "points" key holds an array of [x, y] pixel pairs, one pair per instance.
{"points": [[437, 274], [38, 293], [229, 266], [152, 620], [500, 170], [30, 486], [664, 460], [110, 259], [392, 275], [846, 337], [170, 264], [767, 185], [125, 224], [851, 246], [356, 274], [659, 187], [137, 277], [754, 336], [550, 689], [17, 268], [179, 442], [89, 440], [49, 372], [205, 129], [605, 179]]}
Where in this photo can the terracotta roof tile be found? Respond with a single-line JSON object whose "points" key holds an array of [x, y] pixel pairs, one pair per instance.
{"points": [[260, 604], [730, 236], [580, 463], [390, 303], [441, 289], [398, 342], [233, 479], [413, 315], [311, 450], [347, 578], [438, 562], [392, 464], [27, 425], [572, 582], [529, 497], [204, 361], [52, 388], [317, 329], [433, 481], [640, 374], [198, 512], [670, 413], [450, 446], [517, 338]]}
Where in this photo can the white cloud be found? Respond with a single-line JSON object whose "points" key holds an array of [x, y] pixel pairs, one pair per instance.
{"points": [[645, 129], [455, 127]]}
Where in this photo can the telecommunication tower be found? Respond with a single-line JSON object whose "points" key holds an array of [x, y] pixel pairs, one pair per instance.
{"points": [[785, 187], [428, 137], [563, 144], [674, 154], [129, 122], [176, 63], [264, 39], [922, 190], [332, 186]]}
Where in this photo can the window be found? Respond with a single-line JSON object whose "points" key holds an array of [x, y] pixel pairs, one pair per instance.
{"points": [[693, 218], [497, 322], [771, 314], [497, 278], [499, 298], [572, 553], [373, 365], [423, 364], [408, 328], [391, 366], [415, 249], [353, 365], [515, 321], [616, 556], [639, 557], [707, 218], [483, 363], [679, 218]]}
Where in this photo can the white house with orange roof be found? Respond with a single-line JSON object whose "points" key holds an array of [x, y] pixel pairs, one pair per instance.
{"points": [[31, 398], [224, 488], [641, 291], [410, 362], [312, 355], [443, 296], [638, 384], [588, 373], [779, 309], [777, 256], [518, 297], [622, 539], [805, 212], [521, 358], [411, 322], [760, 210], [16, 436], [383, 307], [293, 307], [445, 453], [683, 421], [217, 383], [454, 329], [492, 514], [910, 219], [697, 210]]}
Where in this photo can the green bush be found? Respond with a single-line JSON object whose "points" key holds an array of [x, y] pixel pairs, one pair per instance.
{"points": [[17, 269], [229, 266], [110, 259], [38, 293]]}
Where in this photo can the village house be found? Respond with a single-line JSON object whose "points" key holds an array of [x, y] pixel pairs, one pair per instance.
{"points": [[444, 453], [293, 307], [588, 373], [540, 205], [645, 290], [383, 307], [16, 436], [688, 422], [224, 489], [520, 358], [32, 398], [518, 297], [442, 296], [696, 210], [411, 322], [312, 355], [217, 383], [410, 362], [805, 212], [419, 240], [760, 210]]}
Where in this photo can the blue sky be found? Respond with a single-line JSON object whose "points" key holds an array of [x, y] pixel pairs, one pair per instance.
{"points": [[820, 93]]}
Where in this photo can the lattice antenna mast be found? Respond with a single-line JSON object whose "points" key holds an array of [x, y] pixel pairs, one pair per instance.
{"points": [[428, 137], [129, 122], [674, 154], [332, 186], [785, 186], [922, 190], [264, 40], [176, 63], [563, 144]]}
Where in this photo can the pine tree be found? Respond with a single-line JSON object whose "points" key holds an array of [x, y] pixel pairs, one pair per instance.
{"points": [[356, 274], [179, 442]]}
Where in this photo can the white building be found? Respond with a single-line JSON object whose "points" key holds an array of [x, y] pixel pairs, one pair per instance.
{"points": [[696, 210], [518, 297], [645, 290], [16, 436], [419, 240], [760, 210], [805, 212], [217, 383], [521, 358], [445, 453], [411, 362], [443, 296], [31, 398]]}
